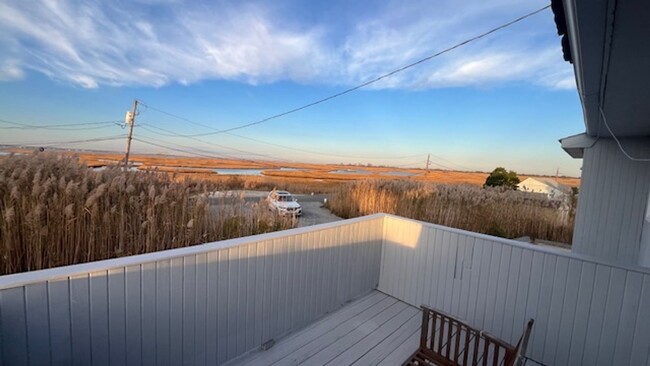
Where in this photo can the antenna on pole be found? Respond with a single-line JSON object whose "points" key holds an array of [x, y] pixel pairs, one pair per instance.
{"points": [[130, 120]]}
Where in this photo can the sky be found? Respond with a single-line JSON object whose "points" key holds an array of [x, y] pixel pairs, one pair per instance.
{"points": [[202, 66]]}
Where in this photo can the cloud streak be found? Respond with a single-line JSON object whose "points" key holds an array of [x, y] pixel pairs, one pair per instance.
{"points": [[156, 43]]}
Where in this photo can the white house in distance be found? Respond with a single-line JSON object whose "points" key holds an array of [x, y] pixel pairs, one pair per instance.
{"points": [[551, 188]]}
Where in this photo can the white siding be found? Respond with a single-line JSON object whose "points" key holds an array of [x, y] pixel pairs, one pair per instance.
{"points": [[645, 238], [208, 304], [586, 312], [535, 186], [201, 305], [612, 201]]}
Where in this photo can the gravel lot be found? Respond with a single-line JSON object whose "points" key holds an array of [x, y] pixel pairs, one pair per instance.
{"points": [[313, 212]]}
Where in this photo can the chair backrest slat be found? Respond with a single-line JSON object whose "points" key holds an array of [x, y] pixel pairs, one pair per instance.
{"points": [[433, 330], [424, 334], [454, 342]]}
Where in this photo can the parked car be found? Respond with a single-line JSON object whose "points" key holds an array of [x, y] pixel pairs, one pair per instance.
{"points": [[283, 203]]}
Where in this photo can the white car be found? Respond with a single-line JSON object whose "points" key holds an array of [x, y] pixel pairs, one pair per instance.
{"points": [[283, 203]]}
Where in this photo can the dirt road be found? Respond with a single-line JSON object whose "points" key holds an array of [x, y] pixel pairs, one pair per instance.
{"points": [[313, 212]]}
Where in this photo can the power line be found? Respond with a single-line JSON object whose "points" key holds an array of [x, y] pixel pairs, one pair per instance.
{"points": [[74, 126], [176, 149], [229, 130], [175, 134], [381, 77], [170, 133], [98, 139], [441, 165], [409, 165], [191, 148], [327, 154], [148, 106], [53, 128], [448, 161]]}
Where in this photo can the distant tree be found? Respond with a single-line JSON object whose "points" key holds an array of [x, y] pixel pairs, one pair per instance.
{"points": [[500, 177]]}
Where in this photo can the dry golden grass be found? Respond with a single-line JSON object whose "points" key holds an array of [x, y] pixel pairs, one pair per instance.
{"points": [[56, 211], [309, 173], [262, 183], [504, 213]]}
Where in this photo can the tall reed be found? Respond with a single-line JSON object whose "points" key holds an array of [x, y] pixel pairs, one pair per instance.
{"points": [[56, 211], [493, 211]]}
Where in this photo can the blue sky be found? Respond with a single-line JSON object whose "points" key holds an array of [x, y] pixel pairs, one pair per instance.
{"points": [[504, 100]]}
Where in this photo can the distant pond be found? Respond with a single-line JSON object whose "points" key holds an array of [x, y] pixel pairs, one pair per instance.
{"points": [[350, 171], [239, 171], [398, 174]]}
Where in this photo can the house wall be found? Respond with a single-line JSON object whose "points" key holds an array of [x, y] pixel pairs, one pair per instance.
{"points": [[645, 238], [612, 202], [535, 186], [586, 311], [201, 305], [530, 185]]}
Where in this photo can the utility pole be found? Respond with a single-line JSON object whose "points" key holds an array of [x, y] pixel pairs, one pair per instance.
{"points": [[130, 120], [428, 161]]}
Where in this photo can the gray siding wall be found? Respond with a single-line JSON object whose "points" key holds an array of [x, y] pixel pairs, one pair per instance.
{"points": [[645, 239], [201, 305], [586, 312], [612, 202]]}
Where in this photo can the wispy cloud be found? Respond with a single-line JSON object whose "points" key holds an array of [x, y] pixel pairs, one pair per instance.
{"points": [[157, 42]]}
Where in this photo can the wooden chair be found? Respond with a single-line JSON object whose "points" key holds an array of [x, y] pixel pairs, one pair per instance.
{"points": [[448, 341]]}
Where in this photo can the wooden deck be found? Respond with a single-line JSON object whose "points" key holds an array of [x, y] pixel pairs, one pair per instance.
{"points": [[374, 330]]}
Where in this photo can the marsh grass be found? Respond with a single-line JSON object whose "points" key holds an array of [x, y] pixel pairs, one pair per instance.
{"points": [[56, 211], [492, 211]]}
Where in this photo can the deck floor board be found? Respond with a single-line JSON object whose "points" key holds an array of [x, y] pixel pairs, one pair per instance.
{"points": [[367, 331]]}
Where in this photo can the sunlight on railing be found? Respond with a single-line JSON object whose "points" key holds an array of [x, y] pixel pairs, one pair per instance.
{"points": [[403, 233]]}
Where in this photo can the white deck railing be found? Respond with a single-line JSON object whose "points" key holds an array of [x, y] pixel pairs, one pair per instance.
{"points": [[210, 303], [586, 312], [201, 305]]}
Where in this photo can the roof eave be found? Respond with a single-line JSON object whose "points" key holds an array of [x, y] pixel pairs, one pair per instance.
{"points": [[576, 144], [587, 81]]}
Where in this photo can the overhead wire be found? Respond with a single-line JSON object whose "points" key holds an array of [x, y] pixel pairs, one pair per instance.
{"points": [[349, 90], [409, 165], [186, 151], [149, 127], [441, 165], [98, 139], [170, 133], [448, 161], [176, 134], [213, 154], [327, 154], [190, 148], [381, 77], [319, 101], [64, 127], [618, 142]]}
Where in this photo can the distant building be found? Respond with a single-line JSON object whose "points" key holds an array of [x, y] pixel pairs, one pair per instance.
{"points": [[551, 188]]}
